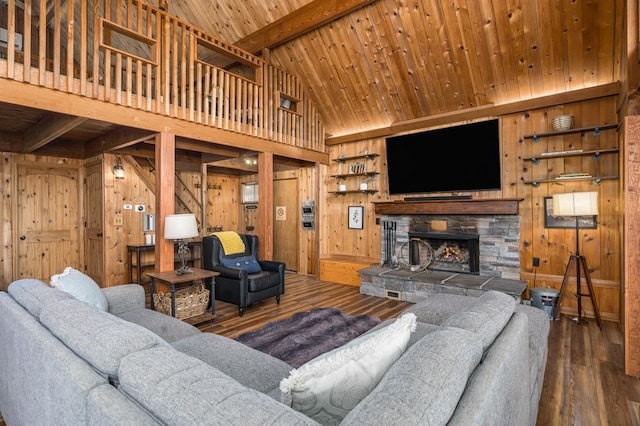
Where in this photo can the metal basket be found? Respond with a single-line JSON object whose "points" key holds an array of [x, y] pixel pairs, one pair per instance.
{"points": [[190, 301]]}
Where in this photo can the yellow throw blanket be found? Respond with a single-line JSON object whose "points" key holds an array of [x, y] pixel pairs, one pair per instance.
{"points": [[231, 242]]}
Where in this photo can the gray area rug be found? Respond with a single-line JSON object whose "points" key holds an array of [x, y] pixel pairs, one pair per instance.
{"points": [[306, 335]]}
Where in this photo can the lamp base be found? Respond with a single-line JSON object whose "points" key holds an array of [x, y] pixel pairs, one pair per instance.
{"points": [[580, 264], [184, 270]]}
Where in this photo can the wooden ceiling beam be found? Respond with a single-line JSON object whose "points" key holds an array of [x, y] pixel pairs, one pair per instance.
{"points": [[601, 91], [48, 129], [299, 22], [117, 140]]}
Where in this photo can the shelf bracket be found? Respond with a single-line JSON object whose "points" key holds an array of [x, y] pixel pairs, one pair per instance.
{"points": [[596, 181], [596, 155], [535, 138], [596, 131], [535, 160], [535, 184]]}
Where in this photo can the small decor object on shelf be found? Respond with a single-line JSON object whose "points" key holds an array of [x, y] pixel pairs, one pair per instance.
{"points": [[562, 122], [178, 227], [357, 168], [356, 219]]}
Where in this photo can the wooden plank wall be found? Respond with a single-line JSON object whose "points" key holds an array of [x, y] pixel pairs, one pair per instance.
{"points": [[601, 246]]}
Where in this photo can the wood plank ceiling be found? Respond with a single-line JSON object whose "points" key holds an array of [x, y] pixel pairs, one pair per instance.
{"points": [[389, 61]]}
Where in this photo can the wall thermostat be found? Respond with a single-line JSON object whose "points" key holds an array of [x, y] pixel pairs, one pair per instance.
{"points": [[308, 215]]}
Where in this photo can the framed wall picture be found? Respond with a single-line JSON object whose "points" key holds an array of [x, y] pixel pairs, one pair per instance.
{"points": [[356, 217], [551, 221]]}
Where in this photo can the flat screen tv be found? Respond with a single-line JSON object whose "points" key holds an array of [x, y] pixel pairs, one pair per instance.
{"points": [[453, 159]]}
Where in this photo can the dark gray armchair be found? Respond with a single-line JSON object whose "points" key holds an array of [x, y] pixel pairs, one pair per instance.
{"points": [[235, 284]]}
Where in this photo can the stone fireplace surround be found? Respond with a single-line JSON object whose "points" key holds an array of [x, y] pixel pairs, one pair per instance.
{"points": [[498, 230], [499, 238]]}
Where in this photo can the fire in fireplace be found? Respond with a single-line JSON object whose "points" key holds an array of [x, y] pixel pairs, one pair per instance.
{"points": [[453, 252]]}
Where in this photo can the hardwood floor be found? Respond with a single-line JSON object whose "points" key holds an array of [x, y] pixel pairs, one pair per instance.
{"points": [[584, 381], [302, 293]]}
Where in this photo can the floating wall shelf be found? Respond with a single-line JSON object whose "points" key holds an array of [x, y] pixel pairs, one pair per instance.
{"points": [[595, 129], [355, 191], [595, 180], [595, 153], [357, 157]]}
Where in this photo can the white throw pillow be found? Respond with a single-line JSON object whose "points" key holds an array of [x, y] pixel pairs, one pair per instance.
{"points": [[329, 386], [80, 286]]}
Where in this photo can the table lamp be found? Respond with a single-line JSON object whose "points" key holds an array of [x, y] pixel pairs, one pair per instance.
{"points": [[576, 204], [178, 227]]}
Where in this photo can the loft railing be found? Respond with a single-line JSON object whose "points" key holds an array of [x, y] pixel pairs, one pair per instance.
{"points": [[130, 53]]}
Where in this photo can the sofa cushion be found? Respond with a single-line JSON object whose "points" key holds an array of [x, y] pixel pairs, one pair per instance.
{"points": [[249, 263], [423, 387], [98, 337], [124, 298], [80, 286], [182, 390], [422, 329], [436, 308], [248, 366], [486, 316], [33, 295], [329, 386], [168, 328]]}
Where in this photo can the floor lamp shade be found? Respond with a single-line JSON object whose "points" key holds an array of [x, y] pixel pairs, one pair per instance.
{"points": [[575, 204], [180, 226]]}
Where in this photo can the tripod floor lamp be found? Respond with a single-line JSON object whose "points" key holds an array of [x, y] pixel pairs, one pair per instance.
{"points": [[576, 204]]}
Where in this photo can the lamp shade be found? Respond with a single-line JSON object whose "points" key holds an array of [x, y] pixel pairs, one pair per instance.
{"points": [[180, 226], [575, 204]]}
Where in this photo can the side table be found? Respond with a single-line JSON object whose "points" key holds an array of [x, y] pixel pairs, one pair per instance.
{"points": [[172, 279]]}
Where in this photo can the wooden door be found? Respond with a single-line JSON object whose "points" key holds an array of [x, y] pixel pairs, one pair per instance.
{"points": [[47, 220], [286, 222], [94, 219]]}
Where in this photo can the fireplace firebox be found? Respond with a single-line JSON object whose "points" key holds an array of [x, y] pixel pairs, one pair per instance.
{"points": [[451, 251]]}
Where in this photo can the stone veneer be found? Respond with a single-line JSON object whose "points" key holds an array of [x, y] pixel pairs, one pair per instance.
{"points": [[499, 238]]}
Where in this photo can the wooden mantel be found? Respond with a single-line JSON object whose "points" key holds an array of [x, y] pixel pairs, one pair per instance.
{"points": [[501, 206]]}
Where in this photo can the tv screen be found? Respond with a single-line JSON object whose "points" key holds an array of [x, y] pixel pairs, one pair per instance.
{"points": [[453, 159]]}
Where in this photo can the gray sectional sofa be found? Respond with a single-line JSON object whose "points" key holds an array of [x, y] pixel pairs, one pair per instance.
{"points": [[470, 361]]}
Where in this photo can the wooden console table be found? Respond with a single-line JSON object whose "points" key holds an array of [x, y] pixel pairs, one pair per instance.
{"points": [[173, 280]]}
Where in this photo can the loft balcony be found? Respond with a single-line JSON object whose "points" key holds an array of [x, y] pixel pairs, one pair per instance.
{"points": [[134, 55]]}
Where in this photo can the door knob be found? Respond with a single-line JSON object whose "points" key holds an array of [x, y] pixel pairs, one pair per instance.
{"points": [[99, 234], [23, 237]]}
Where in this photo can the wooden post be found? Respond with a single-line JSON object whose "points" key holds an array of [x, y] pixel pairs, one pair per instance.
{"points": [[265, 209], [631, 250], [165, 197]]}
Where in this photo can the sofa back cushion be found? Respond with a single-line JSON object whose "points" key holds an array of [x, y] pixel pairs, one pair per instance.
{"points": [[486, 316], [181, 390], [100, 338], [33, 295], [423, 387]]}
